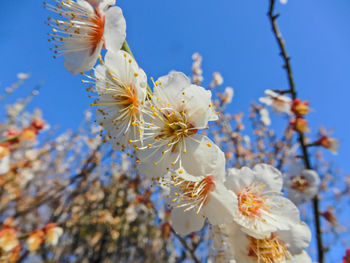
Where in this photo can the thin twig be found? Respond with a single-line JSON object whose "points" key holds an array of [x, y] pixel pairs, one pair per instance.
{"points": [[287, 66], [184, 243]]}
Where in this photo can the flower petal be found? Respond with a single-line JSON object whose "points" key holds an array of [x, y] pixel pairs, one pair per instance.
{"points": [[115, 29]]}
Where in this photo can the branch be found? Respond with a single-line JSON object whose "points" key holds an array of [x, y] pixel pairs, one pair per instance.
{"points": [[287, 66], [184, 243]]}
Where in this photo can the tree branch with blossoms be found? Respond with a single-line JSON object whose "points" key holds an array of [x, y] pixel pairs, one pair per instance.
{"points": [[292, 90], [164, 173]]}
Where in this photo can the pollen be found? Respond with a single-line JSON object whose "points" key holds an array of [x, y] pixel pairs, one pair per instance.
{"points": [[251, 202], [193, 195], [268, 250]]}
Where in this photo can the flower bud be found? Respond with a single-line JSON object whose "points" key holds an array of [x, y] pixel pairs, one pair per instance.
{"points": [[331, 144], [300, 108], [300, 125]]}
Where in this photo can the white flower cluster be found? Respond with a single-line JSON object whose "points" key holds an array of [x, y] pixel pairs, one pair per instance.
{"points": [[161, 129]]}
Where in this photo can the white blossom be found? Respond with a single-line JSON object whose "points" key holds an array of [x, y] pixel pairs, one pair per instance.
{"points": [[259, 206], [301, 184], [178, 111], [280, 103], [265, 117], [279, 247], [121, 93], [85, 27], [228, 95], [198, 196]]}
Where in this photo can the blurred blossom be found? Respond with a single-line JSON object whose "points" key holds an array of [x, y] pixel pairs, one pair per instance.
{"points": [[4, 161], [280, 103], [265, 116], [329, 143], [23, 76], [130, 213], [8, 239], [35, 239], [227, 95], [52, 234], [330, 216], [301, 184], [217, 80], [197, 71]]}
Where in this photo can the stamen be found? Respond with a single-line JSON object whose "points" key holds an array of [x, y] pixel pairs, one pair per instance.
{"points": [[250, 201], [191, 195], [268, 250]]}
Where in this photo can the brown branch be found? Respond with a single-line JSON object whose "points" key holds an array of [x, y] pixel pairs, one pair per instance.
{"points": [[292, 90], [188, 248]]}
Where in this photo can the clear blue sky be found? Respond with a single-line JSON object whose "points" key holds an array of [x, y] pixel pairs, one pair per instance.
{"points": [[233, 36]]}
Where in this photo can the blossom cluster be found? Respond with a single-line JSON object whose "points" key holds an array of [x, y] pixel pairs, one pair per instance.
{"points": [[164, 130]]}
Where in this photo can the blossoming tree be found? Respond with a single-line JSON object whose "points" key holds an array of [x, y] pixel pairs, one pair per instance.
{"points": [[165, 173]]}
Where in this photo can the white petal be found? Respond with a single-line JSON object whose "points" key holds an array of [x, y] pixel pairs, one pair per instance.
{"points": [[185, 223], [86, 5], [118, 63], [266, 100], [198, 106], [295, 168], [80, 61], [203, 157], [237, 179], [115, 29], [297, 238], [219, 209], [172, 86], [270, 176], [4, 164], [105, 4], [301, 258]]}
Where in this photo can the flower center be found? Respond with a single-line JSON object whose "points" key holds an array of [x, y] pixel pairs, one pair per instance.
{"points": [[128, 100], [176, 126], [78, 29], [250, 201], [268, 250], [193, 194], [96, 31], [300, 183]]}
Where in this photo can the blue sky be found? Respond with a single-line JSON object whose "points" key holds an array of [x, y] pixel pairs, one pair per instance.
{"points": [[233, 36]]}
